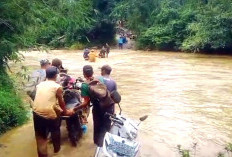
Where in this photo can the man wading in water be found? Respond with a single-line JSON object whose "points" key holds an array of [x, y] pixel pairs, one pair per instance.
{"points": [[46, 112], [107, 50], [100, 121]]}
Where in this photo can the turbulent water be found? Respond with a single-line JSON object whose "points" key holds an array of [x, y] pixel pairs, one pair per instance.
{"points": [[187, 98]]}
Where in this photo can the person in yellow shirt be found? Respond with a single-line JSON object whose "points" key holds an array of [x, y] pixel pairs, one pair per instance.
{"points": [[92, 56], [46, 112]]}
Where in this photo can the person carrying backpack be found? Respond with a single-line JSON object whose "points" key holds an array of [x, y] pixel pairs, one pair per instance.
{"points": [[95, 91], [36, 77]]}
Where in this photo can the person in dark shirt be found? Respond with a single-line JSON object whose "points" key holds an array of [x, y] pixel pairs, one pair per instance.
{"points": [[86, 54], [101, 123]]}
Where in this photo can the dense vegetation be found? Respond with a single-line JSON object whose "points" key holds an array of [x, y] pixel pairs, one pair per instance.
{"points": [[54, 23], [187, 25], [12, 110]]}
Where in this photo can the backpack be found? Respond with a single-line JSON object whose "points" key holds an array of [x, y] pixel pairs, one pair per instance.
{"points": [[99, 92], [33, 81], [115, 96]]}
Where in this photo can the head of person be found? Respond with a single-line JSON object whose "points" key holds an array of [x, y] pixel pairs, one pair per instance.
{"points": [[106, 70], [88, 71], [57, 63], [92, 51], [52, 72], [44, 63]]}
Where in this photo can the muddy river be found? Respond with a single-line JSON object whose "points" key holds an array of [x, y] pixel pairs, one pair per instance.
{"points": [[187, 98]]}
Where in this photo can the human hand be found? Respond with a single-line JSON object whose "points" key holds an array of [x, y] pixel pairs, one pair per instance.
{"points": [[69, 112]]}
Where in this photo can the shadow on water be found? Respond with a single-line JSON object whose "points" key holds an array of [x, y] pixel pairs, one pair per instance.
{"points": [[187, 98]]}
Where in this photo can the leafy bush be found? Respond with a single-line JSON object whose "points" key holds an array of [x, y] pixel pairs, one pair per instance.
{"points": [[184, 25], [77, 46], [12, 111]]}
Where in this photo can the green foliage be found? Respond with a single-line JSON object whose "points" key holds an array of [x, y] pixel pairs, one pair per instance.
{"points": [[104, 30], [53, 23], [12, 111], [212, 29], [187, 25], [37, 23], [183, 152], [228, 148], [220, 155], [59, 23], [77, 46]]}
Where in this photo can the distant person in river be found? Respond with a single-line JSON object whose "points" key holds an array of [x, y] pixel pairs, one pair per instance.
{"points": [[36, 77], [86, 54], [107, 50], [124, 39], [101, 122], [46, 112], [102, 53], [120, 42], [92, 56]]}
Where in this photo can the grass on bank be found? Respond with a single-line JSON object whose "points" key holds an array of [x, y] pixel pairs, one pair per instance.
{"points": [[12, 109]]}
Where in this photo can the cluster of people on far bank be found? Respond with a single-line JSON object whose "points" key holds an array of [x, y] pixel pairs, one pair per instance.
{"points": [[49, 105], [92, 54]]}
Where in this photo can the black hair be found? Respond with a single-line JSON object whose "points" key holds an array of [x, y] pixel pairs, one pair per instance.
{"points": [[88, 70], [51, 72], [107, 69]]}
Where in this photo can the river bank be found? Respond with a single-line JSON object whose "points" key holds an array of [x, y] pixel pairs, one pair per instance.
{"points": [[187, 98]]}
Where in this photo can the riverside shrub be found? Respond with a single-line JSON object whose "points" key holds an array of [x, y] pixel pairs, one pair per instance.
{"points": [[12, 110]]}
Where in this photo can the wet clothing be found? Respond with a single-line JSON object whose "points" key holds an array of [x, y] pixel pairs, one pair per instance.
{"points": [[92, 56], [120, 43], [124, 40], [45, 117], [110, 83], [107, 49], [85, 90], [45, 101], [86, 54], [36, 77], [42, 127], [39, 75], [100, 121], [120, 40], [102, 53]]}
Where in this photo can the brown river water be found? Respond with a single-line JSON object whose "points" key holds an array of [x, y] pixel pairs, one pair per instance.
{"points": [[187, 98]]}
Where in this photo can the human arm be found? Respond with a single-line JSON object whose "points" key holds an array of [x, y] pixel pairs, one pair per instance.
{"points": [[85, 95], [84, 104]]}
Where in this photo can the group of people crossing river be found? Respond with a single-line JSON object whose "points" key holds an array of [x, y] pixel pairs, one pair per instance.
{"points": [[49, 105], [92, 54]]}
